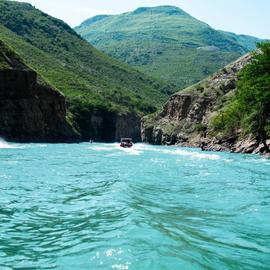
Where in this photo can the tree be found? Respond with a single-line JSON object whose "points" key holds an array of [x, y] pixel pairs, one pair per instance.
{"points": [[253, 94]]}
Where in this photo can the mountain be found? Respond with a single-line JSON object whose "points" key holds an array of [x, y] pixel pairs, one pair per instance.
{"points": [[100, 91], [27, 104], [224, 111], [165, 42]]}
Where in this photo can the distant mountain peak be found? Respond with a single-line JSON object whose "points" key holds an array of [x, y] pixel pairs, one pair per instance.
{"points": [[166, 9], [167, 43], [94, 19]]}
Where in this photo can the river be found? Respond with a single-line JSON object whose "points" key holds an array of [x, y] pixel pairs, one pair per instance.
{"points": [[97, 206]]}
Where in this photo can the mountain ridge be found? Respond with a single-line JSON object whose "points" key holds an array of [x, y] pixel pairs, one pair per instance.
{"points": [[166, 43]]}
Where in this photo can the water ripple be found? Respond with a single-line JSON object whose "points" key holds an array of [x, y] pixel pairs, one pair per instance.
{"points": [[101, 207]]}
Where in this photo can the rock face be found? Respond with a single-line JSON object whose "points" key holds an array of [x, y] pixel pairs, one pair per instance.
{"points": [[105, 126], [185, 118], [128, 125], [177, 119], [30, 111]]}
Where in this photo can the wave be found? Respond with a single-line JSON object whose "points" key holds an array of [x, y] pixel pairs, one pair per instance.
{"points": [[6, 145], [258, 160], [180, 152], [140, 148], [135, 150], [131, 151], [101, 148], [42, 145]]}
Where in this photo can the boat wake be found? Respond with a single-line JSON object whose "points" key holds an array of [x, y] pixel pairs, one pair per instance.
{"points": [[107, 148], [178, 152], [116, 147], [131, 151], [192, 154], [141, 148]]}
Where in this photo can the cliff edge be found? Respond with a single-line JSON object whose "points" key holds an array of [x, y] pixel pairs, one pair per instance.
{"points": [[30, 110]]}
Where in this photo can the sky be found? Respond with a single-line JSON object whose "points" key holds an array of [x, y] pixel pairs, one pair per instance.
{"points": [[249, 17]]}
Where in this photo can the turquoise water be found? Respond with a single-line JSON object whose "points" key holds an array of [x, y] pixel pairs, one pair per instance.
{"points": [[98, 206]]}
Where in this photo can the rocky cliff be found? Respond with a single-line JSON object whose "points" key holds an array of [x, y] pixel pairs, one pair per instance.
{"points": [[186, 118], [128, 125], [103, 126], [30, 110]]}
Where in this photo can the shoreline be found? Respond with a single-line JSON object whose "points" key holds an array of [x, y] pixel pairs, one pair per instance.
{"points": [[248, 146], [210, 147]]}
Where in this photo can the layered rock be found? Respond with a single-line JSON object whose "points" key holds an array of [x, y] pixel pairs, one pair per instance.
{"points": [[185, 119], [30, 111]]}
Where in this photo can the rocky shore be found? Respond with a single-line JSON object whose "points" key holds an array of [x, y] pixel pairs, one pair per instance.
{"points": [[248, 145]]}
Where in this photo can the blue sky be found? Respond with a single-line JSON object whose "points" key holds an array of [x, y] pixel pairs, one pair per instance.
{"points": [[240, 16]]}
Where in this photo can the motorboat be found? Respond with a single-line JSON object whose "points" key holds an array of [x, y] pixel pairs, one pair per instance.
{"points": [[126, 142]]}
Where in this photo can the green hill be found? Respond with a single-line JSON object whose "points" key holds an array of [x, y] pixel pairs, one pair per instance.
{"points": [[165, 42], [92, 81]]}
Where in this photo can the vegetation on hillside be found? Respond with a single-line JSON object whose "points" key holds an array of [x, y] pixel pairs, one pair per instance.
{"points": [[5, 53], [165, 42], [72, 65], [249, 110]]}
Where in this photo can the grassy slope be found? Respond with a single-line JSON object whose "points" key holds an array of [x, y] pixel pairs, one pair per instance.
{"points": [[72, 65], [9, 60], [165, 42], [4, 56]]}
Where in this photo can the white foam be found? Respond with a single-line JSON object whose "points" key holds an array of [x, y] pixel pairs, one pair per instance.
{"points": [[6, 145], [131, 151], [135, 150], [259, 160], [43, 145], [191, 154], [140, 148], [101, 148]]}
